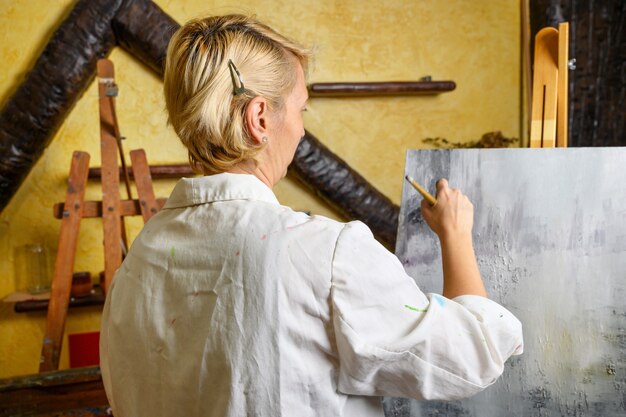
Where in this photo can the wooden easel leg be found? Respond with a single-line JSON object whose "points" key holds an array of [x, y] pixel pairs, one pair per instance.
{"points": [[64, 264], [111, 212], [111, 223], [143, 182]]}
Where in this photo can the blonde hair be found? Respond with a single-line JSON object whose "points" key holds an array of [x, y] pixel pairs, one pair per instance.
{"points": [[203, 110]]}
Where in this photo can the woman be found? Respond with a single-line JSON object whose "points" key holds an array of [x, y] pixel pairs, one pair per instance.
{"points": [[229, 304]]}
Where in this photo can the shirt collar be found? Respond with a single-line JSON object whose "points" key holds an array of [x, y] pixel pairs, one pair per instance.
{"points": [[219, 187]]}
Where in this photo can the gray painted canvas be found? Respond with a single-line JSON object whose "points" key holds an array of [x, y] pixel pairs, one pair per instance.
{"points": [[550, 238]]}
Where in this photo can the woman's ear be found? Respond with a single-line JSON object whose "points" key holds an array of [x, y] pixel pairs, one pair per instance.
{"points": [[256, 118]]}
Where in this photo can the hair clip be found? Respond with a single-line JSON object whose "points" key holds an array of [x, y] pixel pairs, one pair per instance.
{"points": [[238, 87]]}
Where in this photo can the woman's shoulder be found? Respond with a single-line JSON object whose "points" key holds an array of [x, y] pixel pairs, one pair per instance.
{"points": [[292, 219]]}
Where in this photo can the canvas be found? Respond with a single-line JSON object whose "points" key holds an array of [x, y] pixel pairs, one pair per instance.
{"points": [[550, 238]]}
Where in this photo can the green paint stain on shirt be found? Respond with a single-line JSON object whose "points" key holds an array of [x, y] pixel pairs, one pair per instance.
{"points": [[421, 310], [172, 252]]}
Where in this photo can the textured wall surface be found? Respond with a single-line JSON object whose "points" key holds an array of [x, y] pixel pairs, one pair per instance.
{"points": [[550, 238], [354, 41]]}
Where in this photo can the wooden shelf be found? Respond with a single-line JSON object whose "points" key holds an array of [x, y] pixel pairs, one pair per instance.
{"points": [[95, 298], [74, 392]]}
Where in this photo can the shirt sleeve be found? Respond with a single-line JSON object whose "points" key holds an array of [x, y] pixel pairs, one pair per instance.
{"points": [[394, 340]]}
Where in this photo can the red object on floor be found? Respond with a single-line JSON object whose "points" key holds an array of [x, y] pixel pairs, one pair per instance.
{"points": [[84, 349]]}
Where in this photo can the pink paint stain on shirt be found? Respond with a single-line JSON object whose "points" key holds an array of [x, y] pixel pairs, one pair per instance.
{"points": [[237, 254], [263, 237], [299, 224]]}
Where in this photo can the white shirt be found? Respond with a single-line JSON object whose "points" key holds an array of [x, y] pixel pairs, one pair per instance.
{"points": [[229, 304]]}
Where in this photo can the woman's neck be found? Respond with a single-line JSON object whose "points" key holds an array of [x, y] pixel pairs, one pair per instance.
{"points": [[251, 167]]}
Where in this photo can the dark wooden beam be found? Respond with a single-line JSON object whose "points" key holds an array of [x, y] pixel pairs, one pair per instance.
{"points": [[61, 74], [144, 30]]}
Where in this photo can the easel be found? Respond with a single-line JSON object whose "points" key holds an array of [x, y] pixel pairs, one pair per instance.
{"points": [[112, 210], [549, 101]]}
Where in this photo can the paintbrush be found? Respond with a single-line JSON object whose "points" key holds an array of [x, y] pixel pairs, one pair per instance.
{"points": [[432, 200]]}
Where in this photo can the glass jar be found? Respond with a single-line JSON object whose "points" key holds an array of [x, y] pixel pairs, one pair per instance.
{"points": [[36, 268]]}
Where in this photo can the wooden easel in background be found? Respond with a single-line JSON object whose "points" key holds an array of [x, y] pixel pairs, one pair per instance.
{"points": [[549, 100], [112, 210]]}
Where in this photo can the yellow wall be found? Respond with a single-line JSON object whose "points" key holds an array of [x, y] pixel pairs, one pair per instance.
{"points": [[475, 43]]}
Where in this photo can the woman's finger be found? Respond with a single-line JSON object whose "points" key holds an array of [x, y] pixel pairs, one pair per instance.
{"points": [[442, 184]]}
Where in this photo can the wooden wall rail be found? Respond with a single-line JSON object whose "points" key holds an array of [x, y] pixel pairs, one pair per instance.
{"points": [[393, 88], [161, 171]]}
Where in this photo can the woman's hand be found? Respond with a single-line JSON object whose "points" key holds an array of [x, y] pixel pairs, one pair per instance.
{"points": [[452, 219], [453, 215]]}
